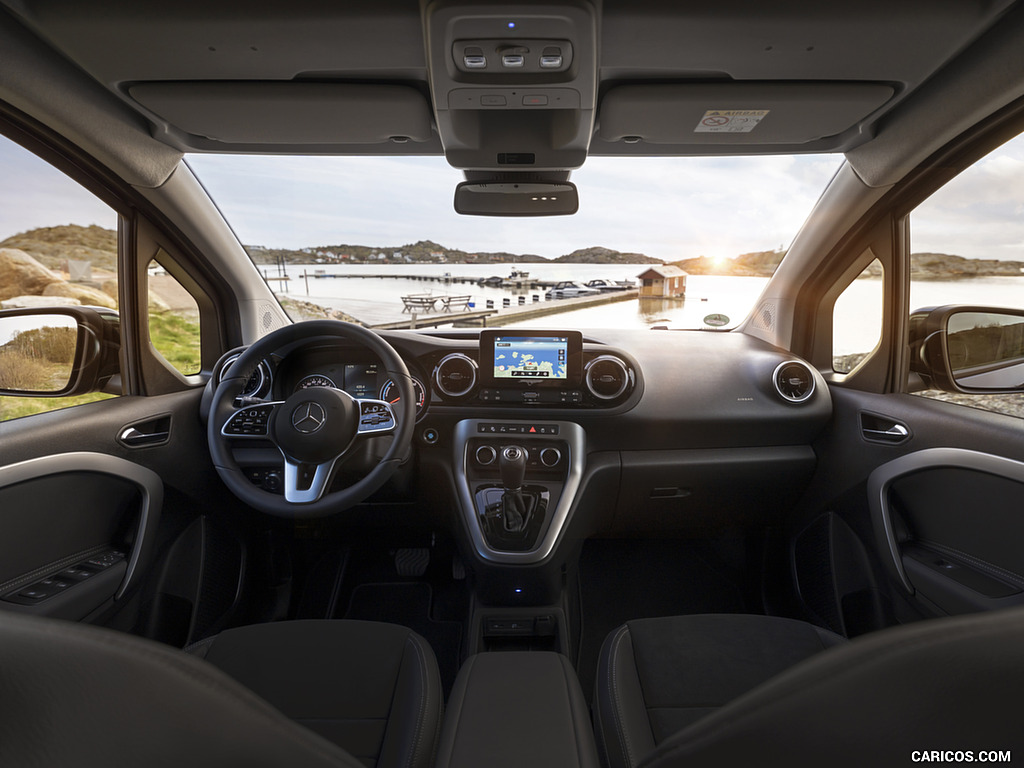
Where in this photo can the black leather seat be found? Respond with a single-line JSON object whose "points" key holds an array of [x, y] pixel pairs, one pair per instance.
{"points": [[933, 685], [331, 693]]}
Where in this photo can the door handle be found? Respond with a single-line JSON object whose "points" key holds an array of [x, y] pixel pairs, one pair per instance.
{"points": [[896, 431], [153, 432], [882, 429]]}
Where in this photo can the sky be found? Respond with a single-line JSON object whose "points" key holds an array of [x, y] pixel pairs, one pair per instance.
{"points": [[669, 208]]}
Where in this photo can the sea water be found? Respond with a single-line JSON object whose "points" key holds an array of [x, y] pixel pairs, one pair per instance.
{"points": [[378, 300]]}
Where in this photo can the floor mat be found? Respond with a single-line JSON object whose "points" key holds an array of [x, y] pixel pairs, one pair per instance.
{"points": [[409, 604], [621, 580]]}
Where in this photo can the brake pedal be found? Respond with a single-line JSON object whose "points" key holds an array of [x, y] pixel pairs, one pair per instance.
{"points": [[412, 561]]}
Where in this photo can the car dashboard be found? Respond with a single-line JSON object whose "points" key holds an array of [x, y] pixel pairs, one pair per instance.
{"points": [[689, 430]]}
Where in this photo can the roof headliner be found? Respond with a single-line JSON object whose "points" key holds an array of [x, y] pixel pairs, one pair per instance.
{"points": [[657, 53]]}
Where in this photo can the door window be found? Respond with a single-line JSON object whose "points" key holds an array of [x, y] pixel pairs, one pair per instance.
{"points": [[58, 247], [967, 247]]}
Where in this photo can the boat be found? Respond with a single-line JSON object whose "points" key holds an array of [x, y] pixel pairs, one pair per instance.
{"points": [[607, 286]]}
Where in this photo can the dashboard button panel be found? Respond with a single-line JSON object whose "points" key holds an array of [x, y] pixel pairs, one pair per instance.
{"points": [[515, 428]]}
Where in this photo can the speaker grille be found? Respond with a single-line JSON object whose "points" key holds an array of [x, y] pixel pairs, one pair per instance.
{"points": [[764, 318]]}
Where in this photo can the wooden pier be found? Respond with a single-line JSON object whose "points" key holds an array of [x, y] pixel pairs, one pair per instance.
{"points": [[493, 317], [528, 283]]}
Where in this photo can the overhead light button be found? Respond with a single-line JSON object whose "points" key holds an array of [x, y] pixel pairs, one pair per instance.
{"points": [[474, 58], [551, 58], [514, 57]]}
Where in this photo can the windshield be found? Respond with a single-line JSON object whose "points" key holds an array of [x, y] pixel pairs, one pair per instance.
{"points": [[678, 242]]}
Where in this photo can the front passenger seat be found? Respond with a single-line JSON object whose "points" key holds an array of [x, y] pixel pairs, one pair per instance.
{"points": [[368, 694], [946, 686]]}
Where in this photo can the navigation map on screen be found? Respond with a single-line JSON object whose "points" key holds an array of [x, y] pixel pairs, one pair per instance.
{"points": [[534, 357]]}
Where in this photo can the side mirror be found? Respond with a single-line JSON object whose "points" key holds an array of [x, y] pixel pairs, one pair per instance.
{"points": [[969, 349], [518, 198], [57, 351]]}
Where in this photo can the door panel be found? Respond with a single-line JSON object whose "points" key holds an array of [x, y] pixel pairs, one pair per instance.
{"points": [[939, 512], [72, 490], [950, 521], [78, 530]]}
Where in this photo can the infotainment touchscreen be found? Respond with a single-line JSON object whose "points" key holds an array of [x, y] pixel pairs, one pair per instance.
{"points": [[531, 357]]}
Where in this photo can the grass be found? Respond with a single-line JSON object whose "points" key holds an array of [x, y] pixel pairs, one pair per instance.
{"points": [[175, 337], [16, 407]]}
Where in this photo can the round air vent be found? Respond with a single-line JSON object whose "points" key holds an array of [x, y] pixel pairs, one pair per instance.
{"points": [[794, 381], [259, 378], [455, 375], [606, 377]]}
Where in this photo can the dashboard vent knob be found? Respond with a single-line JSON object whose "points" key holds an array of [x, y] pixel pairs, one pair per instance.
{"points": [[607, 377], [794, 381], [455, 375]]}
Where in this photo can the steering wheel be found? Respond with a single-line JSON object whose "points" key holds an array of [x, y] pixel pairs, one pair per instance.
{"points": [[314, 429]]}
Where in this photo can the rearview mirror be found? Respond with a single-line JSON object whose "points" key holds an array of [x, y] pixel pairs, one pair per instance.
{"points": [[969, 349], [516, 198], [57, 351]]}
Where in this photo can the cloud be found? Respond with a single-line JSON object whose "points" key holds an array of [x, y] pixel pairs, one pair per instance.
{"points": [[35, 194], [671, 208], [980, 213]]}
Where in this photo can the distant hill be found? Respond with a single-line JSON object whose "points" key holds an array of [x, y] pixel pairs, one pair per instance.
{"points": [[429, 252], [424, 251], [943, 266], [757, 264], [52, 246], [598, 255], [923, 266]]}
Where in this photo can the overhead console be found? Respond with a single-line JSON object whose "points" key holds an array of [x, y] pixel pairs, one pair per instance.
{"points": [[513, 91]]}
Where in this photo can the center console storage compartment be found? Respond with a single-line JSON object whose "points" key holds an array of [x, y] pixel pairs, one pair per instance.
{"points": [[515, 709]]}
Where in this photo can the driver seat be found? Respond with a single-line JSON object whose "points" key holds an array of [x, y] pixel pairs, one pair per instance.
{"points": [[309, 693]]}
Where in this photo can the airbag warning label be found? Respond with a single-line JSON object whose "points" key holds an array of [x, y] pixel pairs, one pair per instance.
{"points": [[730, 120]]}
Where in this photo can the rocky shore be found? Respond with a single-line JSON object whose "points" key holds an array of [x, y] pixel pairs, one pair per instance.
{"points": [[25, 282]]}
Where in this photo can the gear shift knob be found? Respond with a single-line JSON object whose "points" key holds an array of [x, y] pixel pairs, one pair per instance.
{"points": [[512, 466]]}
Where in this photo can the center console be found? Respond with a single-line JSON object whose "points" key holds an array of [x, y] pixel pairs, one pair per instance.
{"points": [[517, 480], [504, 705]]}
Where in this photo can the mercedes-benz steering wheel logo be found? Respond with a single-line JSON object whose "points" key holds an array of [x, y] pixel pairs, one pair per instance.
{"points": [[308, 417]]}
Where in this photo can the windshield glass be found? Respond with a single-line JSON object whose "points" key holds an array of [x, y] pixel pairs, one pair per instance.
{"points": [[678, 242]]}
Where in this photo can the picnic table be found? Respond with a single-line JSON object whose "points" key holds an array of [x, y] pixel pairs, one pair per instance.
{"points": [[457, 302], [416, 302]]}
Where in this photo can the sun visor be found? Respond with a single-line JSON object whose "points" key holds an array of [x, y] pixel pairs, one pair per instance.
{"points": [[289, 113], [731, 113]]}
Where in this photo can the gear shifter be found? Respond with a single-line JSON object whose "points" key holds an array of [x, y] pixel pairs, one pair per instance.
{"points": [[512, 466]]}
